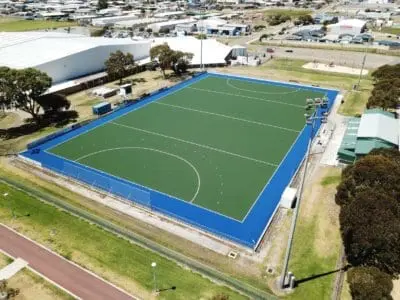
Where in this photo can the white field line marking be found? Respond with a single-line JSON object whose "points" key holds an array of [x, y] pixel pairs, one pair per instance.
{"points": [[228, 82], [155, 150], [199, 145], [248, 97], [226, 116]]}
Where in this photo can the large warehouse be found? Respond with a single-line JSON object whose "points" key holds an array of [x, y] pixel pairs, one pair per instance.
{"points": [[64, 56], [209, 52], [349, 26], [375, 129]]}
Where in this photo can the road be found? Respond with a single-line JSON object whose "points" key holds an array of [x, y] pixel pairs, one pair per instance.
{"points": [[343, 58], [72, 278]]}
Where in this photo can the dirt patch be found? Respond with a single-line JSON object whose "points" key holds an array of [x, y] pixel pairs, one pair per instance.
{"points": [[32, 286]]}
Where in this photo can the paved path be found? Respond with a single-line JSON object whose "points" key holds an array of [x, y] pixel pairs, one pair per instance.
{"points": [[10, 270], [67, 275]]}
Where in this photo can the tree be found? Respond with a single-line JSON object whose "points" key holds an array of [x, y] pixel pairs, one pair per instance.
{"points": [[102, 4], [386, 72], [277, 19], [164, 31], [201, 36], [167, 58], [53, 103], [369, 283], [22, 88], [163, 54], [304, 20], [264, 36], [118, 63], [180, 61], [376, 171], [370, 228], [386, 94]]}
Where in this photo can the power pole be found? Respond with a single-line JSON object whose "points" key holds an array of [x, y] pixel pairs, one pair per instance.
{"points": [[362, 68]]}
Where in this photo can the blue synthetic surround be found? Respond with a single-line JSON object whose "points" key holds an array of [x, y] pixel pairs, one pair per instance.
{"points": [[248, 232]]}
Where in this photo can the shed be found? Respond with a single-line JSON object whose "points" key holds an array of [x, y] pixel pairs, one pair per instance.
{"points": [[102, 108], [375, 129]]}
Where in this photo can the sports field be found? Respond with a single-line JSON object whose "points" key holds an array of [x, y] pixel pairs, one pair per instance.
{"points": [[215, 151], [215, 143]]}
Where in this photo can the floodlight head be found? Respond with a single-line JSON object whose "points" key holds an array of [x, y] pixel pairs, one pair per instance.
{"points": [[153, 264]]}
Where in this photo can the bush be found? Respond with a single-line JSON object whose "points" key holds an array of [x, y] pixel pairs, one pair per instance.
{"points": [[277, 19], [369, 283]]}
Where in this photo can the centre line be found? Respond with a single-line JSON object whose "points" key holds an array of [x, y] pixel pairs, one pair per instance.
{"points": [[199, 145]]}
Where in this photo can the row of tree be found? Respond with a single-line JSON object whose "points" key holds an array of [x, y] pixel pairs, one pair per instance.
{"points": [[386, 91], [119, 64], [277, 19], [369, 199], [25, 89]]}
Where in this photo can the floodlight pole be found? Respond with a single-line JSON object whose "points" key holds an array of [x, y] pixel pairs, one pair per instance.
{"points": [[310, 121], [9, 203], [153, 266], [362, 68], [201, 53]]}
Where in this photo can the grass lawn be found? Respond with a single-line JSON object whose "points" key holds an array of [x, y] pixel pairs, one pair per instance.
{"points": [[355, 101], [17, 24], [31, 285], [317, 238], [287, 12], [391, 30], [119, 261]]}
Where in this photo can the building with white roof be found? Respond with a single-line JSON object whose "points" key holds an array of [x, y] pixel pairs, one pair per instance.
{"points": [[375, 129], [64, 56], [110, 21], [137, 22], [157, 27], [348, 26], [208, 52]]}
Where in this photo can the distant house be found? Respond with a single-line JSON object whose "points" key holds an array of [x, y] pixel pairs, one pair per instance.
{"points": [[374, 129]]}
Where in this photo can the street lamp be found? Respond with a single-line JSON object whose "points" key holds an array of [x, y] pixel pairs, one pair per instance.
{"points": [[310, 120], [153, 266], [11, 209]]}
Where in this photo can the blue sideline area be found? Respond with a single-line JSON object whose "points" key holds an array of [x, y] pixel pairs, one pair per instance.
{"points": [[247, 233]]}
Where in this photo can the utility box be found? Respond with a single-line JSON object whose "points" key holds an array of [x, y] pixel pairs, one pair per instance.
{"points": [[101, 108], [125, 89], [288, 197]]}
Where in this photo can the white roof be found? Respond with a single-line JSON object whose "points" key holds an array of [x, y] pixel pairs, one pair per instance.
{"points": [[377, 125], [174, 22], [214, 52], [351, 22], [17, 48], [169, 13], [137, 22]]}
